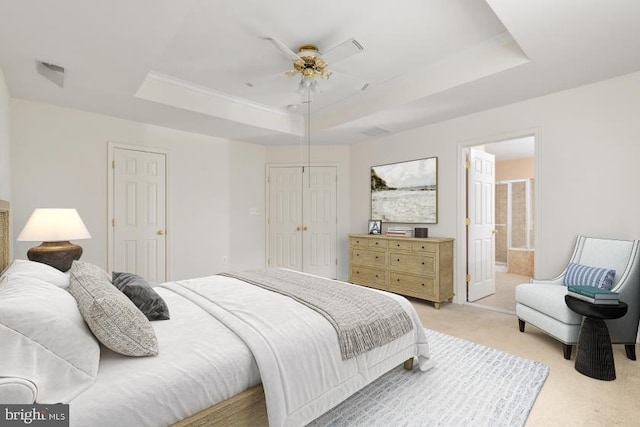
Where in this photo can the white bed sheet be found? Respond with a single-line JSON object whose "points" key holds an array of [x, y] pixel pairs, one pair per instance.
{"points": [[201, 362]]}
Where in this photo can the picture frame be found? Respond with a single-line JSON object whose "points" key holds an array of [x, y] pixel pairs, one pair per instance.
{"points": [[375, 226], [405, 192]]}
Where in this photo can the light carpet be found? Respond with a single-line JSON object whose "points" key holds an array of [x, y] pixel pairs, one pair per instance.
{"points": [[470, 385]]}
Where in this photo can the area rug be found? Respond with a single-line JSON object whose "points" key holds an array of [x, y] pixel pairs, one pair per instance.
{"points": [[470, 385]]}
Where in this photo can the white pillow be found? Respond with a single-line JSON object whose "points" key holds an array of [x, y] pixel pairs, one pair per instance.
{"points": [[45, 340], [17, 391], [114, 320], [37, 270]]}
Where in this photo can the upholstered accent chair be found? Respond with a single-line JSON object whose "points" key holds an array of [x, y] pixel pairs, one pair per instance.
{"points": [[541, 302]]}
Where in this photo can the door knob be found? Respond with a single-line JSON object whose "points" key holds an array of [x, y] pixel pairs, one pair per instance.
{"points": [[297, 228], [160, 232], [305, 228]]}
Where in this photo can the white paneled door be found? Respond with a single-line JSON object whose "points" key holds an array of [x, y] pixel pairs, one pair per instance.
{"points": [[302, 221], [139, 213], [481, 225], [285, 217]]}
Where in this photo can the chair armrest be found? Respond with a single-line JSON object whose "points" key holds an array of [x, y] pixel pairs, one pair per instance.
{"points": [[555, 281]]}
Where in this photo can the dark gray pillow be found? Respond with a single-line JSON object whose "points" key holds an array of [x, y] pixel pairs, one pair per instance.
{"points": [[142, 295]]}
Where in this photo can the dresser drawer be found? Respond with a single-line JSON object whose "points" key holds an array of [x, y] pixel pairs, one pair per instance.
{"points": [[413, 263], [359, 241], [419, 287], [368, 276], [399, 244], [378, 243], [369, 257], [429, 247]]}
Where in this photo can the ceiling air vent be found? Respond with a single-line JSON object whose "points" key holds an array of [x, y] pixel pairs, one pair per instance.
{"points": [[375, 131], [51, 72]]}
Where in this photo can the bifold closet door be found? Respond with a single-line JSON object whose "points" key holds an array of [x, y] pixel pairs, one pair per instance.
{"points": [[285, 217], [302, 219], [319, 221]]}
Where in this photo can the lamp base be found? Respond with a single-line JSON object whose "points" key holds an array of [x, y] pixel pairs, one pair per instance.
{"points": [[59, 255]]}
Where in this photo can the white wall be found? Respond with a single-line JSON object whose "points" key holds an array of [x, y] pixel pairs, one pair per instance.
{"points": [[5, 149], [588, 146], [59, 159], [247, 231], [587, 150], [338, 155], [5, 152]]}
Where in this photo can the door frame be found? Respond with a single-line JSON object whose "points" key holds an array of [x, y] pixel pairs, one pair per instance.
{"points": [[460, 284], [111, 147], [268, 166]]}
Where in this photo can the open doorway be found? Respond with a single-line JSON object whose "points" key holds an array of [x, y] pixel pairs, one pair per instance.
{"points": [[513, 222]]}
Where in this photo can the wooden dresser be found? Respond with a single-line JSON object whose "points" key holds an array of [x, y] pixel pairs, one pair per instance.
{"points": [[416, 267]]}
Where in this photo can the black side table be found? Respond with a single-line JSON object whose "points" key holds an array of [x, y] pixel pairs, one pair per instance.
{"points": [[595, 357]]}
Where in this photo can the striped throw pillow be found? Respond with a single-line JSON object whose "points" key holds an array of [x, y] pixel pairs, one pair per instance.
{"points": [[583, 275]]}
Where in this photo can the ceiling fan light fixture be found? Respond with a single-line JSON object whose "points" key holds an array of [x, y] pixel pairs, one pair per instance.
{"points": [[309, 63], [307, 84]]}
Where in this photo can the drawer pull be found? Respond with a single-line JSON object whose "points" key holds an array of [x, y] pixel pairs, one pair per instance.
{"points": [[357, 254], [376, 256], [376, 276], [398, 259], [423, 247], [398, 280], [357, 272], [376, 243], [422, 262], [423, 284], [398, 244]]}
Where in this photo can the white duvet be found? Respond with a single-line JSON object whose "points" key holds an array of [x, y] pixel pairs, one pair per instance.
{"points": [[219, 328], [297, 349]]}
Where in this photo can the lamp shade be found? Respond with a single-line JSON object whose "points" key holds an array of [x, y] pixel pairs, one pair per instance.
{"points": [[53, 225]]}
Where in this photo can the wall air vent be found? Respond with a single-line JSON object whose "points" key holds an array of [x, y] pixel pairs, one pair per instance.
{"points": [[52, 72], [375, 131]]}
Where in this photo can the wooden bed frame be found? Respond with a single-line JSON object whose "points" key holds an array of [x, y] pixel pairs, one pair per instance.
{"points": [[244, 409], [4, 234]]}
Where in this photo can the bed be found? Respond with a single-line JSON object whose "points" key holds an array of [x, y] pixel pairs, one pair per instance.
{"points": [[227, 341]]}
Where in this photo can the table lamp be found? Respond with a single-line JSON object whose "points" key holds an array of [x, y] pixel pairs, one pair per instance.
{"points": [[54, 227]]}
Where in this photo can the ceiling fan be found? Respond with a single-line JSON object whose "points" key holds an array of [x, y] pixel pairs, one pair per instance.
{"points": [[309, 63]]}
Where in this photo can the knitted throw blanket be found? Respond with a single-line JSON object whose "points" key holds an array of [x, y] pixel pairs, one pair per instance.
{"points": [[363, 319]]}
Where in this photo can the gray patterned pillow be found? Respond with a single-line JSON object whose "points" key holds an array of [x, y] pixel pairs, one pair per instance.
{"points": [[142, 295], [113, 319], [81, 267]]}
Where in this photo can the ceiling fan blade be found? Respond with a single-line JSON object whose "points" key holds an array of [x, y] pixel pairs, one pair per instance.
{"points": [[359, 81], [342, 51], [282, 48]]}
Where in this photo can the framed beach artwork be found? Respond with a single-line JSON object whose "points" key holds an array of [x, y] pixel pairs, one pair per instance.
{"points": [[405, 192]]}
